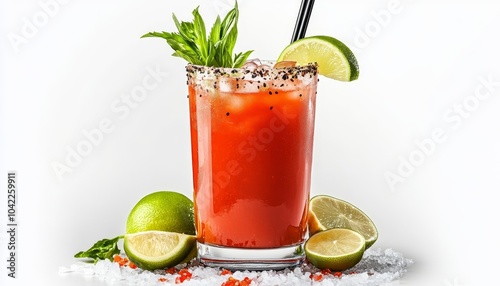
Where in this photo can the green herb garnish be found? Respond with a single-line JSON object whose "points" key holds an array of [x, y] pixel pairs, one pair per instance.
{"points": [[192, 44], [103, 249]]}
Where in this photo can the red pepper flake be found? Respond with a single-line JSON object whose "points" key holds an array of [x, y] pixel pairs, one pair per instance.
{"points": [[120, 260], [326, 271], [170, 270], [162, 279], [337, 274], [316, 277], [185, 272], [226, 272], [246, 281], [132, 265], [184, 275], [117, 258], [231, 281], [124, 262]]}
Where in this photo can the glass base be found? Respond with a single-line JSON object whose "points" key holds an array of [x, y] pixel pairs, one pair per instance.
{"points": [[251, 258]]}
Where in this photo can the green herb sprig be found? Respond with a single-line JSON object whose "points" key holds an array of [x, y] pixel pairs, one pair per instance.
{"points": [[103, 249], [192, 44]]}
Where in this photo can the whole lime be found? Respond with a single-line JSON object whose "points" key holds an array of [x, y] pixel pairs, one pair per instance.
{"points": [[162, 211]]}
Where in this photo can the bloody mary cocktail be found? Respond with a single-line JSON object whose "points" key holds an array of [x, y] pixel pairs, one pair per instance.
{"points": [[252, 139]]}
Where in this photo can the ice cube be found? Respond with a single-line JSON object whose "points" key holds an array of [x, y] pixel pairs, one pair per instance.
{"points": [[250, 66], [255, 61]]}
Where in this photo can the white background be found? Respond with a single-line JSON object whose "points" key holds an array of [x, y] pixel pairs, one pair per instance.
{"points": [[64, 67]]}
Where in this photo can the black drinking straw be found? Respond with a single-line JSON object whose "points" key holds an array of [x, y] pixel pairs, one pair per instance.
{"points": [[302, 20]]}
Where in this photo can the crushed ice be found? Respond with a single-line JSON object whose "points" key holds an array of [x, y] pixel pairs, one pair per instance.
{"points": [[377, 267]]}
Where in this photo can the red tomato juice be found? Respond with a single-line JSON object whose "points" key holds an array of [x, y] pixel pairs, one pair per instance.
{"points": [[252, 141]]}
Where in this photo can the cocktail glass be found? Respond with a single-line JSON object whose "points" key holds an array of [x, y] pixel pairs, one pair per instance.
{"points": [[252, 134]]}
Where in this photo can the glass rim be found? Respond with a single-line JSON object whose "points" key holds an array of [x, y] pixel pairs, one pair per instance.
{"points": [[265, 70]]}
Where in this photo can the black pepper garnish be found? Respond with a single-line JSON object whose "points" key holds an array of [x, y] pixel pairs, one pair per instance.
{"points": [[270, 93], [227, 113], [271, 108]]}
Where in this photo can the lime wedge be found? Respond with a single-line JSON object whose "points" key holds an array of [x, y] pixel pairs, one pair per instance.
{"points": [[191, 255], [335, 249], [335, 60], [326, 212], [152, 250]]}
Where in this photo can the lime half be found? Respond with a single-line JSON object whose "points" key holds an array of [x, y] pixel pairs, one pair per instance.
{"points": [[326, 212], [335, 249], [335, 60], [152, 250]]}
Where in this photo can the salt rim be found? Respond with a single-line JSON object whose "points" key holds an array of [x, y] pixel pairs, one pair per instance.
{"points": [[377, 267], [255, 68], [252, 72]]}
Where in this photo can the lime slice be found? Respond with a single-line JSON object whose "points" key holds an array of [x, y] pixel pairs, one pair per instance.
{"points": [[335, 249], [335, 60], [152, 250], [326, 212]]}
